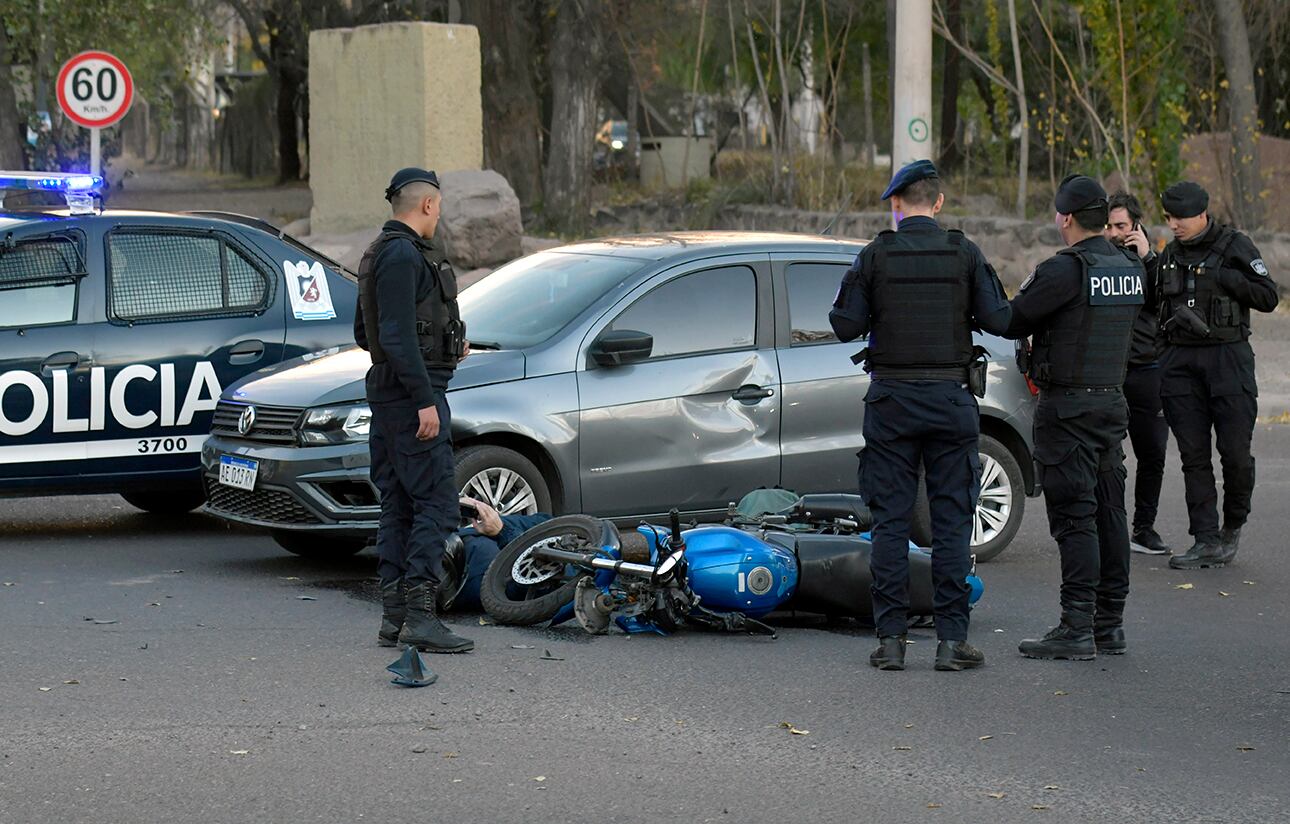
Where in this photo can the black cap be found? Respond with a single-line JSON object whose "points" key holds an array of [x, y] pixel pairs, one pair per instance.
{"points": [[909, 173], [1077, 193], [1185, 199], [410, 175]]}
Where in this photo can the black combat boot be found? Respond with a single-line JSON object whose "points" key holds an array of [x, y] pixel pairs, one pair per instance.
{"points": [[394, 608], [1204, 554], [423, 629], [1070, 640], [1108, 627], [952, 656], [1147, 541], [890, 654], [1230, 540]]}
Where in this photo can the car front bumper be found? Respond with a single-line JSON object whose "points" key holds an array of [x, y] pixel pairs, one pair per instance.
{"points": [[314, 489]]}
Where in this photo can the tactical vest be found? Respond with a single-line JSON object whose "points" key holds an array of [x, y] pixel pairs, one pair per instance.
{"points": [[1088, 345], [1196, 287], [441, 334], [921, 327]]}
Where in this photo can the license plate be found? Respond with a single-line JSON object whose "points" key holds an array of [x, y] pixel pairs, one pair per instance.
{"points": [[238, 472]]}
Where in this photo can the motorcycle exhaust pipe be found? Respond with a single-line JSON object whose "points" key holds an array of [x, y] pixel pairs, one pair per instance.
{"points": [[587, 559]]}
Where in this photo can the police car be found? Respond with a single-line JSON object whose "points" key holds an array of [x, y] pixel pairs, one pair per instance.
{"points": [[121, 329]]}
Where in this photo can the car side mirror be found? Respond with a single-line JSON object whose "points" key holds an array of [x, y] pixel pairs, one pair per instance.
{"points": [[620, 347]]}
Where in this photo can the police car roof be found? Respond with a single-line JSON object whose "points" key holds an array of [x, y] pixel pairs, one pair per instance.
{"points": [[662, 245], [17, 217]]}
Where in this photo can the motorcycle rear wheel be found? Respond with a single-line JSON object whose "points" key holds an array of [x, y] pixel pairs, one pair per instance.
{"points": [[536, 602]]}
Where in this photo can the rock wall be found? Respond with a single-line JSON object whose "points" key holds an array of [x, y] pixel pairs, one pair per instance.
{"points": [[1012, 246]]}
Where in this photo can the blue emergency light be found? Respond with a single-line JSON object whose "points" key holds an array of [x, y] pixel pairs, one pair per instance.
{"points": [[78, 190]]}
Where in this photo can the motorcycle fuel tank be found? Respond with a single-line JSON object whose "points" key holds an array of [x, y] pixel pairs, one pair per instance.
{"points": [[731, 570]]}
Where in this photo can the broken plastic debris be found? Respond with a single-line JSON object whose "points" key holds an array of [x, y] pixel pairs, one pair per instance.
{"points": [[418, 748], [306, 598], [411, 671], [547, 656]]}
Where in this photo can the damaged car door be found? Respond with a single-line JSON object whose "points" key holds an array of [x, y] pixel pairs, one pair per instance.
{"points": [[679, 392]]}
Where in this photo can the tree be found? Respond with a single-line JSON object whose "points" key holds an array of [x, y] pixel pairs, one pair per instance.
{"points": [[1234, 43], [950, 79], [576, 57], [10, 121], [512, 108]]}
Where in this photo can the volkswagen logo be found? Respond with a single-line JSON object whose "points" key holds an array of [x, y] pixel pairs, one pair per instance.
{"points": [[247, 422]]}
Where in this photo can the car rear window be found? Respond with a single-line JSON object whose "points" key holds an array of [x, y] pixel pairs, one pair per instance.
{"points": [[170, 275], [812, 287]]}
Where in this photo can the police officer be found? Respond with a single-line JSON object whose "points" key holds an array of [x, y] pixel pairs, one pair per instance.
{"points": [[1148, 431], [918, 292], [1080, 307], [1210, 277], [407, 319]]}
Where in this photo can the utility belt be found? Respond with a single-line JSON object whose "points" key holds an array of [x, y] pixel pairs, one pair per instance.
{"points": [[973, 374]]}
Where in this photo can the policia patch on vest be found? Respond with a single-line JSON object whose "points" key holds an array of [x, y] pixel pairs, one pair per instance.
{"points": [[1117, 286]]}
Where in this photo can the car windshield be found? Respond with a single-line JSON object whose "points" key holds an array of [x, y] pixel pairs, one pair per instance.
{"points": [[526, 302]]}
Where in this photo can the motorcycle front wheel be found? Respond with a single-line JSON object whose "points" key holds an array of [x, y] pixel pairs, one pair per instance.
{"points": [[521, 589]]}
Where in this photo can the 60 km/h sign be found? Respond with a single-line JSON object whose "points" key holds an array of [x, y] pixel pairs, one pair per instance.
{"points": [[95, 90]]}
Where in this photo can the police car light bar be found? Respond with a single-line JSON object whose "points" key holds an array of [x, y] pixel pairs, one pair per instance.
{"points": [[79, 190]]}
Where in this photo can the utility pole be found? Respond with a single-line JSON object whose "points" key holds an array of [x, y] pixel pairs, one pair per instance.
{"points": [[867, 154], [911, 125]]}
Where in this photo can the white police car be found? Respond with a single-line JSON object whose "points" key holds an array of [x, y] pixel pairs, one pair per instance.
{"points": [[119, 330]]}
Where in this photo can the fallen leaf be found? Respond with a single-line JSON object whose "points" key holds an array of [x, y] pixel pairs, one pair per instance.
{"points": [[932, 805], [71, 681], [631, 718], [456, 781], [909, 726], [484, 623], [996, 795], [1039, 807], [1061, 692], [985, 738], [1248, 583], [238, 752], [796, 731], [1224, 594], [154, 604], [177, 572], [1245, 748], [306, 598], [450, 755], [547, 656], [103, 620], [522, 646], [1185, 586], [902, 748], [44, 689], [1051, 787], [418, 748], [539, 778], [288, 578], [8, 583], [998, 630]]}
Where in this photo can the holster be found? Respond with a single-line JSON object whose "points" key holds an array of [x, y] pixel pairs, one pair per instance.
{"points": [[977, 370]]}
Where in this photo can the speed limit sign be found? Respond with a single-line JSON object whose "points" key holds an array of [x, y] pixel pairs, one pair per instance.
{"points": [[95, 90]]}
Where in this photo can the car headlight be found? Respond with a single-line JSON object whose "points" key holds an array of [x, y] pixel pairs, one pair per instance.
{"points": [[336, 424]]}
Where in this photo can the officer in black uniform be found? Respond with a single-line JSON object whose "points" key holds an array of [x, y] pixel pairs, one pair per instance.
{"points": [[1210, 277], [407, 318], [918, 292], [1148, 431], [1080, 307]]}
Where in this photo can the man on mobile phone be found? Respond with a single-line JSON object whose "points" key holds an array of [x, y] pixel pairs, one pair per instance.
{"points": [[1148, 431]]}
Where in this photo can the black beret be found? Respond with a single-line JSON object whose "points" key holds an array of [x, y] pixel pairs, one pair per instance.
{"points": [[410, 175], [909, 173], [1185, 199], [1077, 193]]}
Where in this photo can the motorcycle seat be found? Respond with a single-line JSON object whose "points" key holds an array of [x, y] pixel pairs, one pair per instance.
{"points": [[827, 506]]}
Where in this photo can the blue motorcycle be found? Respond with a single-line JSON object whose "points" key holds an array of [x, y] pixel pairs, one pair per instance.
{"points": [[811, 558]]}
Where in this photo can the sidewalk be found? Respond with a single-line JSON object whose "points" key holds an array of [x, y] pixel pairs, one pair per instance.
{"points": [[175, 189]]}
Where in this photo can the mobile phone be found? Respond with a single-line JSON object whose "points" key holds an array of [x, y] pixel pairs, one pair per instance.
{"points": [[469, 512], [1137, 226]]}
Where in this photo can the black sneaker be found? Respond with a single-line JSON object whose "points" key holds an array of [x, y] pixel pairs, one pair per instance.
{"points": [[1147, 541], [952, 656], [890, 654], [1204, 554]]}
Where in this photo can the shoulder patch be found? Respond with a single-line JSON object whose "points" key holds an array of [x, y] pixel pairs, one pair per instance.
{"points": [[1259, 267], [1030, 278]]}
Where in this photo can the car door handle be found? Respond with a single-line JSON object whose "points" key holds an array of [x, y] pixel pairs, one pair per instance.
{"points": [[60, 360], [751, 393], [247, 351]]}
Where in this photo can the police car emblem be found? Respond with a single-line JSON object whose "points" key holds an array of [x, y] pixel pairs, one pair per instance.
{"points": [[247, 421], [1259, 267]]}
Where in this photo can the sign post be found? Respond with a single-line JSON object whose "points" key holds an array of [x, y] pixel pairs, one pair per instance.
{"points": [[95, 90]]}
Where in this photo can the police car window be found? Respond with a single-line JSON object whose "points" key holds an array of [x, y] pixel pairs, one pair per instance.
{"points": [[812, 288], [38, 282], [707, 311], [159, 275]]}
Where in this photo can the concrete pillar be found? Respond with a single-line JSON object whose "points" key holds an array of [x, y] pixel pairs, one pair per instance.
{"points": [[381, 98], [911, 137]]}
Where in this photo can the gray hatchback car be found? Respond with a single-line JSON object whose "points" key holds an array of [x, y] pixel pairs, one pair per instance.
{"points": [[618, 378]]}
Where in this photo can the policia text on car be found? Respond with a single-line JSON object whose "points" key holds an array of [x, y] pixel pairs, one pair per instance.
{"points": [[918, 292], [1080, 306], [1210, 276], [408, 320]]}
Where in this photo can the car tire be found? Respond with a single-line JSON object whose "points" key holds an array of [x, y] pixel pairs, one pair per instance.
{"points": [[171, 502], [1003, 493], [313, 545], [494, 589], [502, 478]]}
